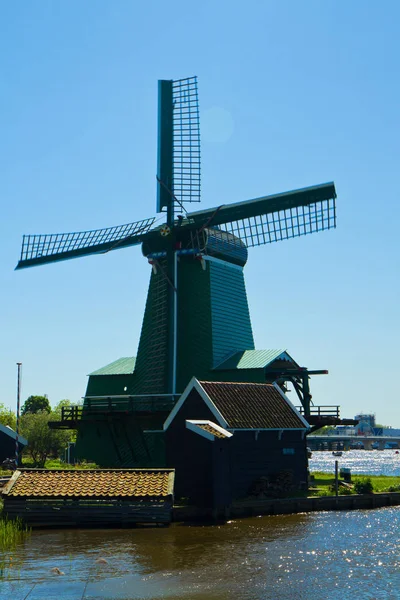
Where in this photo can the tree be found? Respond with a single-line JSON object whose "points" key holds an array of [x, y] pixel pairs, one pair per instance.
{"points": [[35, 404], [61, 404], [43, 441], [323, 430], [7, 417]]}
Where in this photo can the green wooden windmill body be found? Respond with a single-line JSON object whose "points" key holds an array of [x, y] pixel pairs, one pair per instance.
{"points": [[196, 320]]}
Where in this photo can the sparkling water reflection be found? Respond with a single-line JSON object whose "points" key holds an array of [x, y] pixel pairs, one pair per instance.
{"points": [[308, 556], [368, 462]]}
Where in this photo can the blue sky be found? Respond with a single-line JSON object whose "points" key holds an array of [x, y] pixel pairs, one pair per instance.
{"points": [[310, 93]]}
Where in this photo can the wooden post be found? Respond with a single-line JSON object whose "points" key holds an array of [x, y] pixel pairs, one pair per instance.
{"points": [[19, 366], [336, 477]]}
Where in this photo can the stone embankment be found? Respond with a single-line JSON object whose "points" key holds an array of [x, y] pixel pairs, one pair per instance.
{"points": [[290, 506]]}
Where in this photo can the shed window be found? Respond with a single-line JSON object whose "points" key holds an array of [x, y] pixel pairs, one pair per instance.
{"points": [[288, 450]]}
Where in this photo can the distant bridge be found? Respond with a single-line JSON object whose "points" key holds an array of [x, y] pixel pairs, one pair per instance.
{"points": [[333, 442]]}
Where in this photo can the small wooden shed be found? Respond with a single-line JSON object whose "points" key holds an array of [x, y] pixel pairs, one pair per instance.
{"points": [[8, 442], [96, 497], [229, 441]]}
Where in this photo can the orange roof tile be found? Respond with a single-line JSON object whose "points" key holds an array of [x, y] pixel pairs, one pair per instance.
{"points": [[110, 483]]}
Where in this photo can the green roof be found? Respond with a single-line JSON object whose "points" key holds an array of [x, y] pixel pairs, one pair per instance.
{"points": [[252, 359], [122, 366]]}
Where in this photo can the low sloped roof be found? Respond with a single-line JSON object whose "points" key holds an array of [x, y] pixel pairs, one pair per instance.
{"points": [[253, 359], [109, 483], [212, 429], [12, 434], [253, 405], [122, 366]]}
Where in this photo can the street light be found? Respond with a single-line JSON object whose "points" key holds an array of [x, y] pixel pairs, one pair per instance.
{"points": [[19, 371]]}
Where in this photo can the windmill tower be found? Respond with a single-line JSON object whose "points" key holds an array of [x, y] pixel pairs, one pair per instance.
{"points": [[196, 320]]}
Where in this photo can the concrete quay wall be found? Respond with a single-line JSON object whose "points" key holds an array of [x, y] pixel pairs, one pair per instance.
{"points": [[287, 506]]}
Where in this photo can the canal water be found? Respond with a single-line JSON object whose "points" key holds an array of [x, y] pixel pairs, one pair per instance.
{"points": [[368, 462], [336, 555]]}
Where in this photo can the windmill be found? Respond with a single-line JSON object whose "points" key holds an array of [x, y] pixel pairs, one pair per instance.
{"points": [[196, 320]]}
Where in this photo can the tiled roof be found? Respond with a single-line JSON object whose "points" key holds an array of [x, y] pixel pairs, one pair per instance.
{"points": [[215, 430], [122, 366], [250, 359], [110, 483], [252, 406]]}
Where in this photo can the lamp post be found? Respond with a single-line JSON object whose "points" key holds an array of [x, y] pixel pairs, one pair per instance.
{"points": [[19, 370]]}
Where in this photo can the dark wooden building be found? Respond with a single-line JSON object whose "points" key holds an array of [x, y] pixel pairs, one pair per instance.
{"points": [[229, 441], [98, 497], [7, 442]]}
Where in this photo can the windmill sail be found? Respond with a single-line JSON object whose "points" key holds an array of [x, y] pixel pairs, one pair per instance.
{"points": [[186, 129], [178, 171], [270, 218], [47, 248]]}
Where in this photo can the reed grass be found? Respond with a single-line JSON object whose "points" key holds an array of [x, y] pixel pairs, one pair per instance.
{"points": [[12, 533]]}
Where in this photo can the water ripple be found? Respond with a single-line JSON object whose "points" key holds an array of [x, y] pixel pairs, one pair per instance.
{"points": [[343, 555], [366, 462]]}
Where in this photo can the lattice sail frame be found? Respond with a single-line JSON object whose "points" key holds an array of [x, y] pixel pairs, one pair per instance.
{"points": [[280, 225], [58, 245], [178, 154], [267, 219], [186, 141]]}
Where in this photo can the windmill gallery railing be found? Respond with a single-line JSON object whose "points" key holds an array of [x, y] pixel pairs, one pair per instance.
{"points": [[319, 416], [322, 411], [97, 408]]}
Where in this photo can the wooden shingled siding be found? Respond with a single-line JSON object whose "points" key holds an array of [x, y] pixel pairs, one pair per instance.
{"points": [[44, 498], [150, 376], [194, 323], [122, 443], [231, 325]]}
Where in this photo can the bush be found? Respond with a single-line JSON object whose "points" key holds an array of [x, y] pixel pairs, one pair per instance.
{"points": [[342, 491], [363, 486], [392, 488], [345, 491]]}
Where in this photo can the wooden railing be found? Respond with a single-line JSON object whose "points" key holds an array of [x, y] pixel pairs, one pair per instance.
{"points": [[322, 411], [113, 406]]}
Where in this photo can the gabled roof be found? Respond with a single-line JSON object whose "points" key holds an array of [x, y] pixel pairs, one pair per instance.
{"points": [[253, 359], [208, 429], [109, 483], [12, 434], [244, 405], [122, 366]]}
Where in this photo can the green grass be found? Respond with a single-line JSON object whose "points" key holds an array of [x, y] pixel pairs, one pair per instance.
{"points": [[56, 463], [324, 481]]}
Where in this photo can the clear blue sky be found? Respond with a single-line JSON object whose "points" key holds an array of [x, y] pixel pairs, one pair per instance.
{"points": [[313, 92]]}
